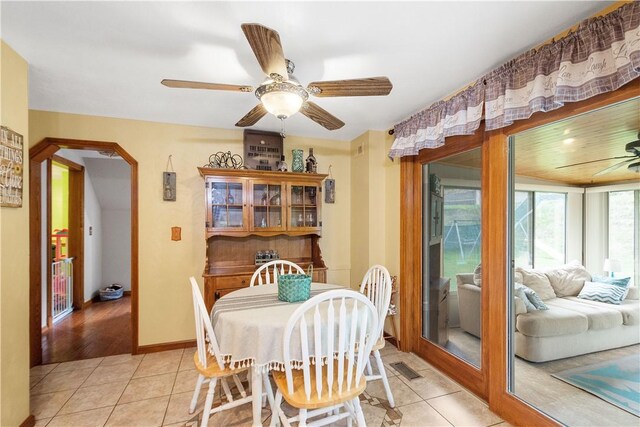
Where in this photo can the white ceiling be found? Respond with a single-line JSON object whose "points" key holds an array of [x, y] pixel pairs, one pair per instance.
{"points": [[107, 58]]}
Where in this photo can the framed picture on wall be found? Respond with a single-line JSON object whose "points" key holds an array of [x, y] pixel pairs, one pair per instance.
{"points": [[262, 150], [11, 162]]}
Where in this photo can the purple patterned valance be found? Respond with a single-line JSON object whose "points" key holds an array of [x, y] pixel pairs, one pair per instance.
{"points": [[602, 55]]}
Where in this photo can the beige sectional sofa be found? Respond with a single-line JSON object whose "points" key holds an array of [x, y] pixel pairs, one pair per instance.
{"points": [[570, 327]]}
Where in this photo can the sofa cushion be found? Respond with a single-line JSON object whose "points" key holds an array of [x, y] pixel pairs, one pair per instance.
{"points": [[600, 317], [629, 309], [553, 322], [568, 279], [633, 293], [538, 281]]}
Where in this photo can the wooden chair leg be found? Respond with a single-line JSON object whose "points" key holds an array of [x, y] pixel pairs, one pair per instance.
{"points": [[196, 394], [239, 386], [302, 416], [385, 381], [369, 369], [227, 390], [268, 390], [275, 410], [359, 414], [208, 403]]}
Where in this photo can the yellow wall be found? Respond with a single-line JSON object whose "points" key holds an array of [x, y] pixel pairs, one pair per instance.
{"points": [[165, 303], [60, 203], [375, 207], [14, 254]]}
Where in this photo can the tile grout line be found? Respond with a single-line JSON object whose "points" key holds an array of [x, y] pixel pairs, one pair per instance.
{"points": [[125, 388], [71, 395], [441, 414]]}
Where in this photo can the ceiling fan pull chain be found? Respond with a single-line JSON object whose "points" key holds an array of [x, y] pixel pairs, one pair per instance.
{"points": [[282, 133]]}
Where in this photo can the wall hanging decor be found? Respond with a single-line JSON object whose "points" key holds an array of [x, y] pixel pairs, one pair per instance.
{"points": [[330, 188], [222, 160], [297, 165], [11, 151], [262, 150], [169, 183]]}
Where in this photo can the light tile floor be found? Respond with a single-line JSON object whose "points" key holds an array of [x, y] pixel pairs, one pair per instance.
{"points": [[155, 390]]}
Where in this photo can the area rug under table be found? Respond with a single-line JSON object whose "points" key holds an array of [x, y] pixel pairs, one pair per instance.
{"points": [[616, 381]]}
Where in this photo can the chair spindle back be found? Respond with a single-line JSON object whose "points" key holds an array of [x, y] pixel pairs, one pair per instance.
{"points": [[376, 285], [272, 270], [204, 328], [343, 329]]}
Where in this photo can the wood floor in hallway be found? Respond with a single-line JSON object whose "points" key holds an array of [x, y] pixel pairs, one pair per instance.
{"points": [[101, 329]]}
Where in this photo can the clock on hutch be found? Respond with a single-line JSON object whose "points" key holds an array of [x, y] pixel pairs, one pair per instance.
{"points": [[248, 211]]}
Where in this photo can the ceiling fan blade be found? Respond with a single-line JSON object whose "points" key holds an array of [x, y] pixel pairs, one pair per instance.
{"points": [[186, 84], [252, 117], [614, 167], [594, 161], [321, 116], [371, 86], [266, 46]]}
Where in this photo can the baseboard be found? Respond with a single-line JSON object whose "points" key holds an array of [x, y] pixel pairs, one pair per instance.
{"points": [[29, 422], [175, 345], [87, 304]]}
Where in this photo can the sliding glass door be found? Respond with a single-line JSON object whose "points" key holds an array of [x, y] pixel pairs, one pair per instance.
{"points": [[451, 248], [574, 252]]}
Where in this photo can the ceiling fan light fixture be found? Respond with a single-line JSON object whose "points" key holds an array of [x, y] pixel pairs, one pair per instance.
{"points": [[282, 99]]}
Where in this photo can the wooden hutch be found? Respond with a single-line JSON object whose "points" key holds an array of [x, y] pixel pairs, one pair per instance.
{"points": [[249, 211]]}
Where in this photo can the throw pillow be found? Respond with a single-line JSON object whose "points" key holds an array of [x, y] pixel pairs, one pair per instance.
{"points": [[538, 281], [519, 293], [568, 279], [477, 275], [622, 282], [532, 297], [602, 292]]}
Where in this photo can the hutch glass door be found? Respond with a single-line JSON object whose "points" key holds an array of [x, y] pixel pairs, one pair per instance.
{"points": [[267, 206], [226, 204], [304, 207]]}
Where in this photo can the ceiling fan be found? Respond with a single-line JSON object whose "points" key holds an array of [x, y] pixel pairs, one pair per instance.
{"points": [[281, 94], [634, 159]]}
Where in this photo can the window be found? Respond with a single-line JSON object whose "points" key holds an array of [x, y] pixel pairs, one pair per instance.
{"points": [[623, 232], [461, 234], [539, 229]]}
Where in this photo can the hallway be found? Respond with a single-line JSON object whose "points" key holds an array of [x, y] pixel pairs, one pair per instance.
{"points": [[102, 329]]}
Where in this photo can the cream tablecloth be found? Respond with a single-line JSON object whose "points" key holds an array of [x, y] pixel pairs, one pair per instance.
{"points": [[249, 325]]}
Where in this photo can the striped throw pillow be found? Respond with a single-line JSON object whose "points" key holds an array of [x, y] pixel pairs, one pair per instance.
{"points": [[602, 292]]}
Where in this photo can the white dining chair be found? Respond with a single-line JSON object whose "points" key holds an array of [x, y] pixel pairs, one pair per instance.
{"points": [[376, 285], [272, 269], [329, 340], [211, 366]]}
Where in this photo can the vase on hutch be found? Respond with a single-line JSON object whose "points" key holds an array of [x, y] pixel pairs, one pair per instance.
{"points": [[297, 165]]}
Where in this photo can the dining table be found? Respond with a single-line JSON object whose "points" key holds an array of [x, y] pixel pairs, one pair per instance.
{"points": [[249, 326]]}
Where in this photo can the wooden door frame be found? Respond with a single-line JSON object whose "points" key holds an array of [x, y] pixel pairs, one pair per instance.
{"points": [[490, 382], [40, 152], [76, 226]]}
